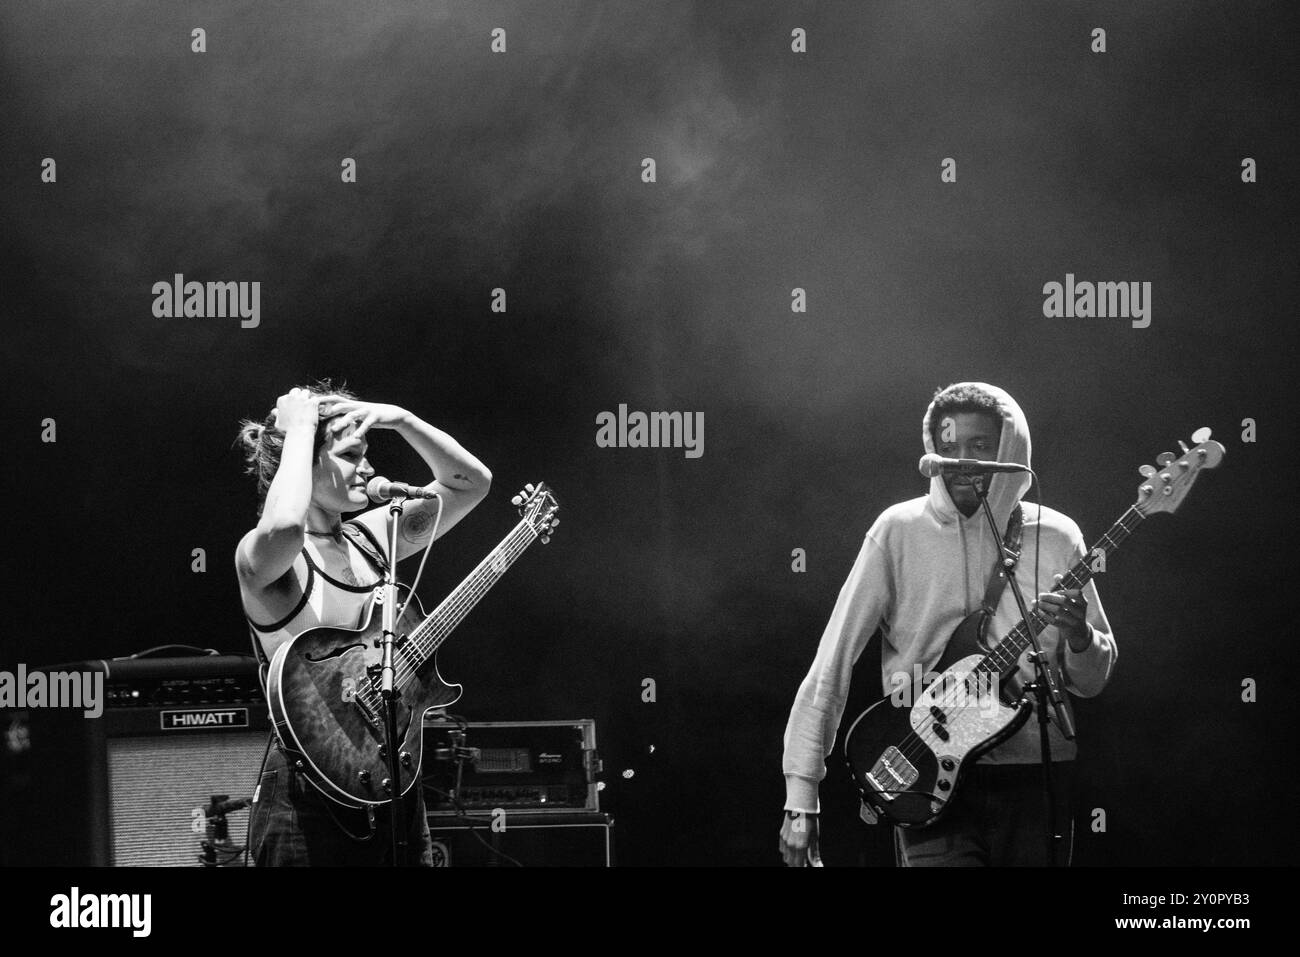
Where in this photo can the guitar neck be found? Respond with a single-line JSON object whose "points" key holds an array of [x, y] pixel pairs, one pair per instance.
{"points": [[433, 631], [1004, 657]]}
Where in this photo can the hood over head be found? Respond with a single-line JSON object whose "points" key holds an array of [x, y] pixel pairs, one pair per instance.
{"points": [[1005, 488]]}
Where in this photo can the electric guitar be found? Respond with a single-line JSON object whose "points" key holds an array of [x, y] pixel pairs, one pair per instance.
{"points": [[908, 760], [324, 694]]}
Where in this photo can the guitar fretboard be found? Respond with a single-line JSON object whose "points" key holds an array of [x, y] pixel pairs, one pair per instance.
{"points": [[1004, 657], [424, 640]]}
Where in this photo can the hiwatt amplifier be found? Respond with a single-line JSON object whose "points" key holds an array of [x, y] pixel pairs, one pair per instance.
{"points": [[132, 786], [504, 838], [537, 766]]}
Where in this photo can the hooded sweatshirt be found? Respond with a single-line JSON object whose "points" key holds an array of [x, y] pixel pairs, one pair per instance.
{"points": [[923, 567]]}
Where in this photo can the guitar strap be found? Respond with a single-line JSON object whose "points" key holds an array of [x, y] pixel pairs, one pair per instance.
{"points": [[1000, 576], [366, 542]]}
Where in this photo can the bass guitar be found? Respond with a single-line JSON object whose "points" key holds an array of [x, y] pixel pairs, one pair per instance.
{"points": [[323, 686], [907, 761]]}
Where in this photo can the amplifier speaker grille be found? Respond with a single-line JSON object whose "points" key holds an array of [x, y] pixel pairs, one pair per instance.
{"points": [[155, 784]]}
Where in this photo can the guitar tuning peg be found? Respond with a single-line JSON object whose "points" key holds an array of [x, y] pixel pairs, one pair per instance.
{"points": [[1164, 458], [546, 539], [1201, 435], [554, 522], [517, 500], [529, 489], [1147, 470]]}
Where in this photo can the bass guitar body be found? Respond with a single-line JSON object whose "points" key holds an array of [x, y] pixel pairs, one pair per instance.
{"points": [[908, 751], [329, 715]]}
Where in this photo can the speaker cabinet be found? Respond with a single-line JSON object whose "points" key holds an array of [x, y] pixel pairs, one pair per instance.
{"points": [[128, 788], [579, 839]]}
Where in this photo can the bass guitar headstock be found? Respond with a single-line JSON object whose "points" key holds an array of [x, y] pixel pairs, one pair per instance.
{"points": [[538, 506], [1167, 482]]}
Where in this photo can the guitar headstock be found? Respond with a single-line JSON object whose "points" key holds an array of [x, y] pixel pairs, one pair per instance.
{"points": [[537, 506], [1165, 486]]}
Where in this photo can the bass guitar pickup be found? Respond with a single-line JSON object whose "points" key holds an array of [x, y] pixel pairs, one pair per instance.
{"points": [[892, 773]]}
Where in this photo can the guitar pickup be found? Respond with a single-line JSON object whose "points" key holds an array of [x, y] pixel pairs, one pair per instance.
{"points": [[892, 773]]}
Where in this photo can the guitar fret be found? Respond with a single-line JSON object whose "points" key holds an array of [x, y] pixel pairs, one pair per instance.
{"points": [[1013, 645], [461, 601], [444, 619]]}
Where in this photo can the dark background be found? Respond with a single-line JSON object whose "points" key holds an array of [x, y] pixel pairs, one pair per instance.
{"points": [[775, 170]]}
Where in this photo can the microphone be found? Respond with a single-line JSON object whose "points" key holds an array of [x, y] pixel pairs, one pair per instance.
{"points": [[379, 489], [932, 465], [224, 806]]}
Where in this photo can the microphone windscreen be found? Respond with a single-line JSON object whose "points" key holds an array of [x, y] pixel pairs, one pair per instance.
{"points": [[375, 489], [930, 465]]}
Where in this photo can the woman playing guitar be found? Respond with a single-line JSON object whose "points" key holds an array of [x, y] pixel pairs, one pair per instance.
{"points": [[303, 566]]}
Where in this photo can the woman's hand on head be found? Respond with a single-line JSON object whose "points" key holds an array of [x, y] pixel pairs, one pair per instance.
{"points": [[363, 415], [295, 409]]}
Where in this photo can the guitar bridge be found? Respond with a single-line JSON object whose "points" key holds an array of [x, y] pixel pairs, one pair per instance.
{"points": [[371, 718], [892, 773]]}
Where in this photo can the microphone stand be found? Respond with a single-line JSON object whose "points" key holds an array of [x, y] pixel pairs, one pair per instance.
{"points": [[387, 687], [1044, 686]]}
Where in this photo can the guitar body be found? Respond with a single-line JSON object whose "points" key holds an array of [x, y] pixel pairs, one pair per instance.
{"points": [[325, 707], [907, 761]]}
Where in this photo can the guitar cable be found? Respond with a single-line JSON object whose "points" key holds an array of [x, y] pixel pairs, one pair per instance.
{"points": [[257, 793], [461, 811], [463, 814], [419, 572], [437, 520]]}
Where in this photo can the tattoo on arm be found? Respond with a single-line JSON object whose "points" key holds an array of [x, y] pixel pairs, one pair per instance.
{"points": [[415, 526], [461, 478]]}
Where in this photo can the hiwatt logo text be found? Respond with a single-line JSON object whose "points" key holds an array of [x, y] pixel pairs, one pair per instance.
{"points": [[204, 718], [76, 909]]}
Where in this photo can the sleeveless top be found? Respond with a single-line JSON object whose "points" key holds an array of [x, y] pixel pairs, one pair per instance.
{"points": [[324, 601]]}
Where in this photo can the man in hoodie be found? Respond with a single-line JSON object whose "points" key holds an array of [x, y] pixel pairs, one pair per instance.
{"points": [[924, 567]]}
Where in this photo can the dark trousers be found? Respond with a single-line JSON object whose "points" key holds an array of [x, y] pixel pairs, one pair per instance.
{"points": [[294, 825], [997, 819]]}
